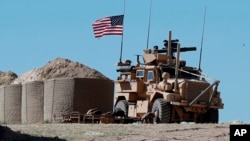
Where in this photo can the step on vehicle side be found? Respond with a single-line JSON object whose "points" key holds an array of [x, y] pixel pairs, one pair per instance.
{"points": [[165, 89]]}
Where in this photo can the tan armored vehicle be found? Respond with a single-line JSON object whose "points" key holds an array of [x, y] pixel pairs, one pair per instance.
{"points": [[165, 89]]}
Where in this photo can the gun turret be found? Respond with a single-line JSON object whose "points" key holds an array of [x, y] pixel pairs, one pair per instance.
{"points": [[166, 54], [173, 47]]}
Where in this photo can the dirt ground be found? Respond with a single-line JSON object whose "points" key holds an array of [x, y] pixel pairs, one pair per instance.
{"points": [[117, 132]]}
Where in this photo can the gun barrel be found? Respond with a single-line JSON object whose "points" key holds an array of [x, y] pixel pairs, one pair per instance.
{"points": [[183, 49]]}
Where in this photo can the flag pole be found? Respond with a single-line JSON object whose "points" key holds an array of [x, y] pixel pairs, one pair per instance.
{"points": [[124, 4], [149, 21]]}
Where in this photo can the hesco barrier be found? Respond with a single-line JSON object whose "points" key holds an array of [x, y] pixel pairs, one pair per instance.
{"points": [[64, 95], [58, 97], [93, 93], [32, 102], [10, 104]]}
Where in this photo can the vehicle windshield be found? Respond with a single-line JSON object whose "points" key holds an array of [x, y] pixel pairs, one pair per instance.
{"points": [[140, 73], [150, 76]]}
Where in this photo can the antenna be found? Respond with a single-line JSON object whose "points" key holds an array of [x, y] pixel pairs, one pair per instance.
{"points": [[149, 21], [203, 28], [138, 59], [124, 3]]}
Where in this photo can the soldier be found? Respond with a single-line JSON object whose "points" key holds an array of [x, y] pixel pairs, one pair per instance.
{"points": [[164, 85]]}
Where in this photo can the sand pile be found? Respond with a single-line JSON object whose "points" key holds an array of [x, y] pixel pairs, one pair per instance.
{"points": [[57, 68]]}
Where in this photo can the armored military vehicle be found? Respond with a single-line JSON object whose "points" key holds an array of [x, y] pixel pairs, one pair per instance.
{"points": [[165, 89]]}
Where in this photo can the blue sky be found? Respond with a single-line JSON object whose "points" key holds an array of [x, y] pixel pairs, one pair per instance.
{"points": [[33, 32]]}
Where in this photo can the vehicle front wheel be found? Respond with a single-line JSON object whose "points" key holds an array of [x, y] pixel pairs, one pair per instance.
{"points": [[162, 111], [121, 108]]}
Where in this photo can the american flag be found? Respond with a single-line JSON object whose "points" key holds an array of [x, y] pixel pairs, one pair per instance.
{"points": [[112, 25]]}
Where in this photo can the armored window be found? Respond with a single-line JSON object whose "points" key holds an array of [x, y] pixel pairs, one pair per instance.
{"points": [[150, 75], [140, 73]]}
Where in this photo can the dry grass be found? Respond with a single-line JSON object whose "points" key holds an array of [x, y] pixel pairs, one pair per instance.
{"points": [[123, 132]]}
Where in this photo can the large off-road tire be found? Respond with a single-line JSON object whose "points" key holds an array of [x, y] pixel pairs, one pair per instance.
{"points": [[121, 108], [162, 111], [211, 116]]}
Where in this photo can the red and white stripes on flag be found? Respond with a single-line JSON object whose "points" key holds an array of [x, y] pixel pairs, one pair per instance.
{"points": [[112, 25]]}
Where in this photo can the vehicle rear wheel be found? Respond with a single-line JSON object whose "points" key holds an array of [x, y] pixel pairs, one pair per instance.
{"points": [[211, 116], [161, 109], [121, 108]]}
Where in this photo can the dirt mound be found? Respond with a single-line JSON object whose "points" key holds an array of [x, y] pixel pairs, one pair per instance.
{"points": [[59, 68], [7, 77]]}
